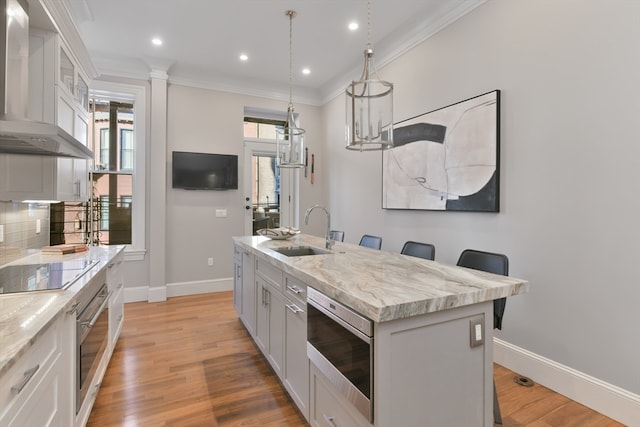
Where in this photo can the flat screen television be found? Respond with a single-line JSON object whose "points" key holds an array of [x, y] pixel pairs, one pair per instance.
{"points": [[205, 171]]}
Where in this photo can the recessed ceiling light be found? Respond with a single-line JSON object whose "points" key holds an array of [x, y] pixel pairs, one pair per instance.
{"points": [[243, 57], [353, 26], [306, 71], [156, 41]]}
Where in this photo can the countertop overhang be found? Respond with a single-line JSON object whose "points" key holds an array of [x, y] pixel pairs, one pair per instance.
{"points": [[381, 285]]}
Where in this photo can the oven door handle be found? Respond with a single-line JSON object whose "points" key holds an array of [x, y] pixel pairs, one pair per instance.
{"points": [[341, 322], [89, 324]]}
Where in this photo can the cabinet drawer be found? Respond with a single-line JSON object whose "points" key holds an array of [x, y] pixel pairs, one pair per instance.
{"points": [[296, 289], [327, 410], [270, 273], [28, 371]]}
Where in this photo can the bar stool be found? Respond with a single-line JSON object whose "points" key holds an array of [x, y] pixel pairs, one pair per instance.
{"points": [[419, 250], [369, 241]]}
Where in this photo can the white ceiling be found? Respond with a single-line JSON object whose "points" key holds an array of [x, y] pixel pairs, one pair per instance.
{"points": [[204, 38]]}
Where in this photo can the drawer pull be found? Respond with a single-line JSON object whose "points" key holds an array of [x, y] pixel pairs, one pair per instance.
{"points": [[27, 376], [294, 308], [74, 308], [328, 419], [295, 289]]}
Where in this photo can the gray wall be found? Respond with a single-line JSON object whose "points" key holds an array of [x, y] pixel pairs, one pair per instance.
{"points": [[570, 167], [209, 121]]}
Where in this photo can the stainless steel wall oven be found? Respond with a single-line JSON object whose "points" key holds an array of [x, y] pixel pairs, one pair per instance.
{"points": [[340, 345], [92, 333]]}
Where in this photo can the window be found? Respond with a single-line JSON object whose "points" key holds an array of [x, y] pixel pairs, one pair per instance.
{"points": [[126, 149], [103, 162], [111, 185], [117, 137]]}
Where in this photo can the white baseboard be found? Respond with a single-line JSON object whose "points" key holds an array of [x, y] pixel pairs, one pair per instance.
{"points": [[137, 294], [612, 401], [161, 293], [199, 287]]}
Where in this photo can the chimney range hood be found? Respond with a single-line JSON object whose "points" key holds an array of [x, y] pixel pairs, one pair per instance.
{"points": [[18, 135]]}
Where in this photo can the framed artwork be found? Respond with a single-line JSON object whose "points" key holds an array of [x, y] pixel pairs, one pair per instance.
{"points": [[447, 159]]}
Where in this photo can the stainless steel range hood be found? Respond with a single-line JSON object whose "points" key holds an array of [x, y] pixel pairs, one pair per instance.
{"points": [[18, 135]]}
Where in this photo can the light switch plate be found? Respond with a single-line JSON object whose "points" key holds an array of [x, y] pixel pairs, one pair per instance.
{"points": [[38, 227], [476, 331], [1, 233]]}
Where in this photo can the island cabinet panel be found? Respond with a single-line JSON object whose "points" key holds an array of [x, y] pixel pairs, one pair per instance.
{"points": [[237, 279], [270, 312], [428, 373], [296, 363], [248, 293]]}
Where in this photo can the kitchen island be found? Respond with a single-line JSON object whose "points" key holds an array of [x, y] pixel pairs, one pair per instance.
{"points": [[432, 328]]}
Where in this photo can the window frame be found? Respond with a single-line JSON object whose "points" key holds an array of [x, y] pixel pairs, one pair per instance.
{"points": [[137, 95]]}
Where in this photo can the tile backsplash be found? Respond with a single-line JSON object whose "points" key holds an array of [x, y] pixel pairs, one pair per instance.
{"points": [[19, 229]]}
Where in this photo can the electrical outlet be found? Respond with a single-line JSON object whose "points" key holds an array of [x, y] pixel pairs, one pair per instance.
{"points": [[210, 262], [221, 213]]}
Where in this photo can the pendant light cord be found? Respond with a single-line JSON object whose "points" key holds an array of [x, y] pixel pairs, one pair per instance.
{"points": [[368, 24], [291, 14]]}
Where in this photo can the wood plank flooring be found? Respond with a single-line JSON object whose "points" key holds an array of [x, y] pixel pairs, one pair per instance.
{"points": [[189, 362]]}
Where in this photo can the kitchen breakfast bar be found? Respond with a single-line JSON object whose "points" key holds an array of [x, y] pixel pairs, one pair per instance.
{"points": [[362, 337]]}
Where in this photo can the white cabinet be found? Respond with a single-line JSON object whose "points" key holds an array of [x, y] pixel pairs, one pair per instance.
{"points": [[35, 391], [58, 94], [328, 409], [248, 295], [237, 279], [115, 282], [280, 330], [295, 372]]}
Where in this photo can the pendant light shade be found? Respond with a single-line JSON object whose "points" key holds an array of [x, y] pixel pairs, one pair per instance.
{"points": [[290, 138], [369, 106]]}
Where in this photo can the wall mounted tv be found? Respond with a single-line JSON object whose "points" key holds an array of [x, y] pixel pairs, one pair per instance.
{"points": [[205, 171]]}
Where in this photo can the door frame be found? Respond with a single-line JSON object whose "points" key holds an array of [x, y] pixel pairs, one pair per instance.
{"points": [[289, 185]]}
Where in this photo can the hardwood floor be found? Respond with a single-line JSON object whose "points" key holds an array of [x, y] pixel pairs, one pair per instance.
{"points": [[189, 361]]}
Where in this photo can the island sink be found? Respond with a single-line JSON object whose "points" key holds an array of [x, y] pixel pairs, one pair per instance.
{"points": [[301, 251]]}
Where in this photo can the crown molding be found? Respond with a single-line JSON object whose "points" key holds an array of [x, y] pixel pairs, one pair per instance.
{"points": [[61, 19]]}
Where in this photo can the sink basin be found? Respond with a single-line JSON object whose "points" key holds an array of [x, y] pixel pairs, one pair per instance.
{"points": [[301, 251]]}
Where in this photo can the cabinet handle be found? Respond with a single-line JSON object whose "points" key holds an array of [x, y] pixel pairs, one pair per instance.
{"points": [[294, 308], [25, 379], [74, 308], [328, 419], [295, 289]]}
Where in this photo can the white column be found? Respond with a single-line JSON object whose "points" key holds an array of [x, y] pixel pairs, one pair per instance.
{"points": [[158, 187]]}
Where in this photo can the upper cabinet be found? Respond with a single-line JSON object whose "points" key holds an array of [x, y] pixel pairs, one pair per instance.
{"points": [[58, 94]]}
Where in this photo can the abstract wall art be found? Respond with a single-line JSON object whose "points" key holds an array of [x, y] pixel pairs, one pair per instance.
{"points": [[447, 159]]}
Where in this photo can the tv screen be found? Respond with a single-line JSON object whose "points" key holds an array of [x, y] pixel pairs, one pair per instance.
{"points": [[205, 171]]}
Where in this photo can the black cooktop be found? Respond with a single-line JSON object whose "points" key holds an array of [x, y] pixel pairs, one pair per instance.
{"points": [[42, 277]]}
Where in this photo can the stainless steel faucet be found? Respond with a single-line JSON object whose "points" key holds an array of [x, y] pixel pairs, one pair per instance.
{"points": [[328, 238]]}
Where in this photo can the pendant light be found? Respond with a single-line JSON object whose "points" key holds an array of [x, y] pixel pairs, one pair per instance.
{"points": [[369, 106], [290, 138]]}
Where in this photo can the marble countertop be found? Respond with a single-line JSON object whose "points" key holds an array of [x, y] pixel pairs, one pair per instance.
{"points": [[382, 285], [27, 315]]}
